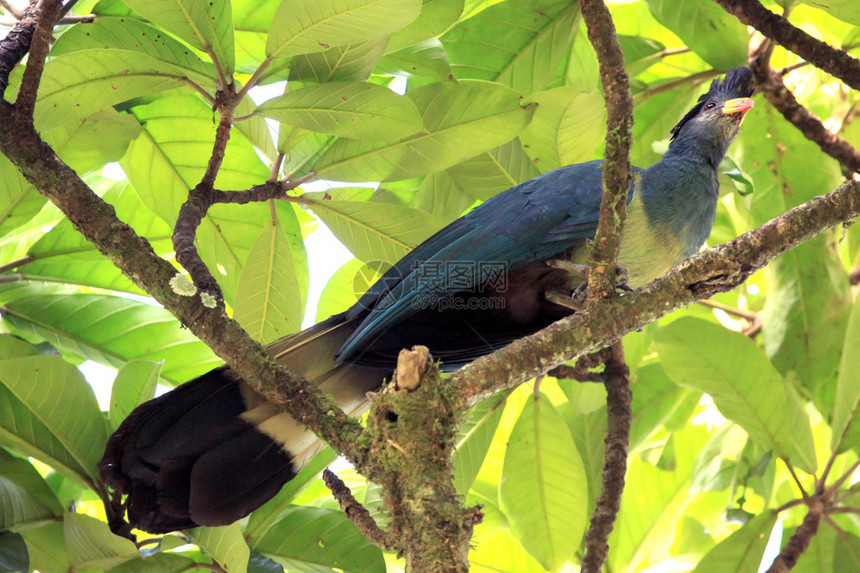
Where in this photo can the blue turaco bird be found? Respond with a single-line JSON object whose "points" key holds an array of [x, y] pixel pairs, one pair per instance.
{"points": [[213, 450]]}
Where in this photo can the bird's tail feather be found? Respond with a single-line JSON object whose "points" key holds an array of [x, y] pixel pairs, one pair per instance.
{"points": [[213, 450]]}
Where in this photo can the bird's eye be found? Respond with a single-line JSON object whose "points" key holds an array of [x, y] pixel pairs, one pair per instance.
{"points": [[710, 105]]}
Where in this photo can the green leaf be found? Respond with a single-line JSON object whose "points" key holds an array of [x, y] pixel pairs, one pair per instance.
{"points": [[25, 498], [55, 393], [846, 554], [78, 84], [845, 10], [91, 544], [502, 554], [47, 547], [225, 545], [134, 384], [207, 26], [64, 255], [640, 53], [374, 231], [473, 440], [426, 59], [342, 290], [743, 383], [653, 502], [706, 28], [436, 17], [742, 551], [567, 127], [441, 196], [544, 489], [111, 330], [352, 62], [306, 26], [131, 35], [272, 305], [846, 422], [518, 45], [808, 300], [310, 539], [158, 563], [347, 109], [655, 397], [462, 120], [19, 201], [494, 171], [89, 144]]}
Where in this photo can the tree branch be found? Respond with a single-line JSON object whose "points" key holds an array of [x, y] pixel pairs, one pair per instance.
{"points": [[16, 44], [616, 166], [47, 15], [356, 512], [818, 53], [769, 82], [798, 543]]}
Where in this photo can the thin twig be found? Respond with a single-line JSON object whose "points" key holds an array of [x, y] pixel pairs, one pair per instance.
{"points": [[672, 84], [835, 62], [620, 417], [769, 82], [740, 313], [17, 12], [356, 512]]}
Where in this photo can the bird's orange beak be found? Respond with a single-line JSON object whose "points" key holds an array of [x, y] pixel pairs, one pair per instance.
{"points": [[738, 105]]}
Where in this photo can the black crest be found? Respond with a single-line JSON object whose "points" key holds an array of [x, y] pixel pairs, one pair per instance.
{"points": [[737, 83]]}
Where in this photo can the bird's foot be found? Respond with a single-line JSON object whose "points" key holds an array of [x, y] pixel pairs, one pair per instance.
{"points": [[573, 300], [579, 273]]}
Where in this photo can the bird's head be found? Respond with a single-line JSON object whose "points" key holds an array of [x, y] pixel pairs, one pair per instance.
{"points": [[712, 124]]}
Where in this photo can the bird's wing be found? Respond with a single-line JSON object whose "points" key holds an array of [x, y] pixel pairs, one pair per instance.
{"points": [[527, 223]]}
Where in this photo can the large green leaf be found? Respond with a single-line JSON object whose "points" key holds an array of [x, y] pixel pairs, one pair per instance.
{"points": [[62, 417], [134, 384], [47, 547], [131, 35], [311, 540], [544, 489], [347, 109], [808, 300], [567, 127], [502, 554], [77, 84], [436, 17], [13, 552], [64, 255], [425, 61], [306, 26], [516, 44], [653, 501], [270, 303], [743, 383], [91, 545], [441, 196], [111, 330], [473, 440], [225, 545], [374, 231], [462, 120], [845, 10], [655, 397], [706, 28], [742, 551], [25, 498], [846, 412], [207, 26], [89, 144], [494, 171], [352, 62]]}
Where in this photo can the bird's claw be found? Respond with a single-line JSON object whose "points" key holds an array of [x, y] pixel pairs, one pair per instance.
{"points": [[572, 300]]}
